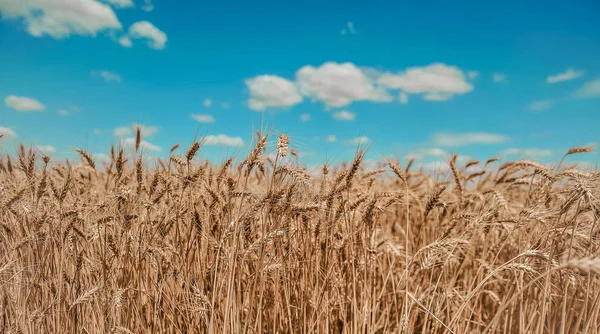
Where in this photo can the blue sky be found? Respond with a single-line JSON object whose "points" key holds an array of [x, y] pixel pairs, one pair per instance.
{"points": [[424, 79]]}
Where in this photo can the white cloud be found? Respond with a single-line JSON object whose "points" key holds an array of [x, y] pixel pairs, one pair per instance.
{"points": [[207, 103], [437, 81], [434, 167], [528, 152], [7, 132], [344, 115], [403, 98], [145, 30], [97, 132], [569, 74], [63, 112], [203, 118], [147, 131], [305, 117], [429, 152], [271, 91], [122, 131], [461, 139], [499, 77], [148, 6], [349, 29], [540, 105], [144, 145], [338, 85], [108, 76], [61, 18], [331, 139], [47, 149], [21, 103], [125, 41], [121, 3], [472, 75], [358, 140], [591, 89], [101, 157], [223, 140]]}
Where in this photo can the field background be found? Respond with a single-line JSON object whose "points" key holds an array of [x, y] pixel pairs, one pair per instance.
{"points": [[261, 245]]}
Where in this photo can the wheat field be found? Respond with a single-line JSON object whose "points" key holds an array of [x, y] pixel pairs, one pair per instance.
{"points": [[260, 244]]}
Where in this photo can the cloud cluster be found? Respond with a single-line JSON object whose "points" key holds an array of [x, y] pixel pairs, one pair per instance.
{"points": [[435, 82], [144, 145], [7, 132], [121, 3], [527, 152], [23, 104], [63, 18], [540, 105], [46, 149], [154, 37], [203, 118], [344, 115], [447, 139], [340, 84], [358, 140], [569, 74], [223, 140], [107, 76], [271, 91], [589, 90]]}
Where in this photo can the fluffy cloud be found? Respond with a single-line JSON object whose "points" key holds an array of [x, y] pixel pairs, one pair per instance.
{"points": [[145, 30], [223, 140], [207, 103], [122, 131], [472, 75], [436, 82], [61, 18], [331, 139], [144, 145], [101, 157], [148, 6], [499, 77], [569, 74], [121, 3], [7, 132], [125, 131], [589, 90], [540, 105], [271, 91], [462, 139], [147, 131], [125, 41], [305, 117], [528, 152], [338, 85], [108, 76], [344, 115], [63, 112], [203, 118], [358, 140], [429, 152], [46, 149], [21, 103]]}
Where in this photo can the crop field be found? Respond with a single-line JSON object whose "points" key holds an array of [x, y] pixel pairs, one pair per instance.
{"points": [[261, 244]]}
